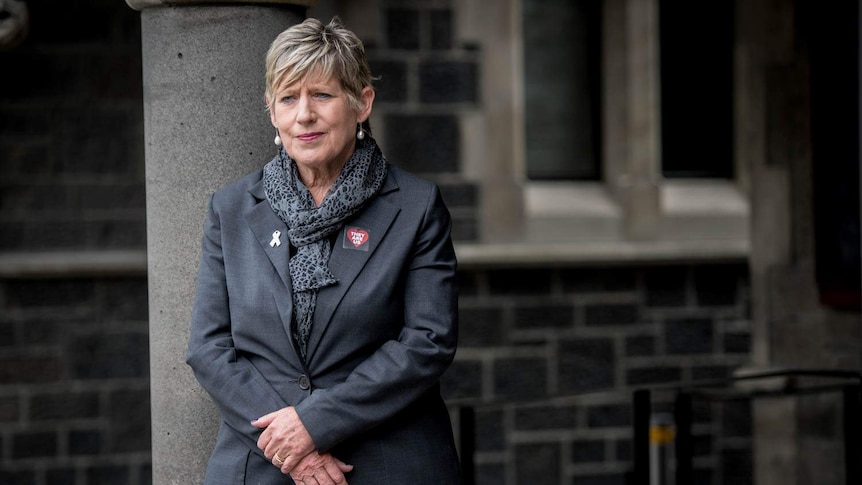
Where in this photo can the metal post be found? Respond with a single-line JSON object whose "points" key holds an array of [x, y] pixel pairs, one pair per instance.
{"points": [[467, 438], [661, 439], [853, 434], [640, 436], [684, 443]]}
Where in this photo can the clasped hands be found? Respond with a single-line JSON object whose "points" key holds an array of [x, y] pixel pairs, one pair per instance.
{"points": [[287, 444]]}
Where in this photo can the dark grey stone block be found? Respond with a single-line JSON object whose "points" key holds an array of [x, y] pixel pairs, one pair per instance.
{"points": [[402, 28], [391, 87], [666, 286], [689, 336], [551, 315], [85, 442], [529, 281], [640, 346], [585, 365], [34, 444], [619, 314], [480, 326], [545, 418], [588, 451], [537, 460], [490, 430], [448, 82], [441, 29], [70, 405], [423, 143], [609, 416], [520, 378], [653, 375]]}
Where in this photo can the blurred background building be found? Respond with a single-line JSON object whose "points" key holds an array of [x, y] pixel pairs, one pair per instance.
{"points": [[646, 194]]}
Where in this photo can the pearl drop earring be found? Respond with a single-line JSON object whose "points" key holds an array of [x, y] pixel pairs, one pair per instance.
{"points": [[277, 140], [360, 135]]}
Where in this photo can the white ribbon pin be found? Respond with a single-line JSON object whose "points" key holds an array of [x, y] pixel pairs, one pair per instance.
{"points": [[275, 239]]}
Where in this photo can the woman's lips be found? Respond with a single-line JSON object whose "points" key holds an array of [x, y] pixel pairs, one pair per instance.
{"points": [[309, 136]]}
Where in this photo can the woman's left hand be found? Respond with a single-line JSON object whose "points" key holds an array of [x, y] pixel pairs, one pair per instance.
{"points": [[317, 469], [285, 435]]}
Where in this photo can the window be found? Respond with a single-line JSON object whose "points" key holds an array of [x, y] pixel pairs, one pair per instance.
{"points": [[696, 50], [562, 75], [833, 40], [569, 151]]}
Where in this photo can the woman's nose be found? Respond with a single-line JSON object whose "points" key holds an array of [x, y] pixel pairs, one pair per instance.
{"points": [[305, 111]]}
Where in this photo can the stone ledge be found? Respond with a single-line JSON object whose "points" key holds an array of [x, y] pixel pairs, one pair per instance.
{"points": [[73, 264], [144, 4], [598, 252]]}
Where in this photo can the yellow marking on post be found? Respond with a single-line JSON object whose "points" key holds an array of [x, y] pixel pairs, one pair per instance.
{"points": [[661, 435]]}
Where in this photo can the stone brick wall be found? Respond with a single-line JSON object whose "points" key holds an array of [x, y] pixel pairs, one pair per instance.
{"points": [[74, 373], [71, 124], [548, 358], [426, 81], [74, 381]]}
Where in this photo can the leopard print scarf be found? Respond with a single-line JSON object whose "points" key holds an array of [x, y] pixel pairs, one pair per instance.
{"points": [[310, 226]]}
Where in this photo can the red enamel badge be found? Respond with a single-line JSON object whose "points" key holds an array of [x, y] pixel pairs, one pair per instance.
{"points": [[356, 237]]}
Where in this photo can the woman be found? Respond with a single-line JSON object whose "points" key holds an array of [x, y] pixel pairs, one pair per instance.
{"points": [[326, 310]]}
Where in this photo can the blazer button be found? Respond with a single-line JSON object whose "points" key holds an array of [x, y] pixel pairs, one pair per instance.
{"points": [[304, 383]]}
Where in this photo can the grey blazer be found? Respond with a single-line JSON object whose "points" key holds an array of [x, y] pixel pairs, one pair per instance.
{"points": [[368, 391]]}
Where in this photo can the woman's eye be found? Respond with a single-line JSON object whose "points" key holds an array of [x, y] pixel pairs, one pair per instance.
{"points": [[322, 95], [287, 99]]}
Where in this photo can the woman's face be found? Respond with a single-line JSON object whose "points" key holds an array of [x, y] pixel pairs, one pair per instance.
{"points": [[316, 121]]}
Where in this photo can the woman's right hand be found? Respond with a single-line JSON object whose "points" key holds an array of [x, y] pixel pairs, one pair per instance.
{"points": [[320, 469]]}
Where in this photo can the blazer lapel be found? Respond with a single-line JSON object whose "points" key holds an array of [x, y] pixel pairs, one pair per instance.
{"points": [[264, 223], [347, 263]]}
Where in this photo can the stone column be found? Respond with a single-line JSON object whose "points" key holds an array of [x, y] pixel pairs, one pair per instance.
{"points": [[205, 124], [797, 439], [493, 137], [631, 104], [642, 210], [615, 100]]}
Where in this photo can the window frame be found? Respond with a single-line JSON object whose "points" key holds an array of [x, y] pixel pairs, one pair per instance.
{"points": [[633, 213]]}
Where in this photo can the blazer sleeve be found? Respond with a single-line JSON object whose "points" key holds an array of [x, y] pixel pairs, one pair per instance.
{"points": [[402, 370], [239, 391]]}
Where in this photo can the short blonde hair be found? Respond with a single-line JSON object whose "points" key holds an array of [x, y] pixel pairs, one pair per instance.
{"points": [[313, 48]]}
